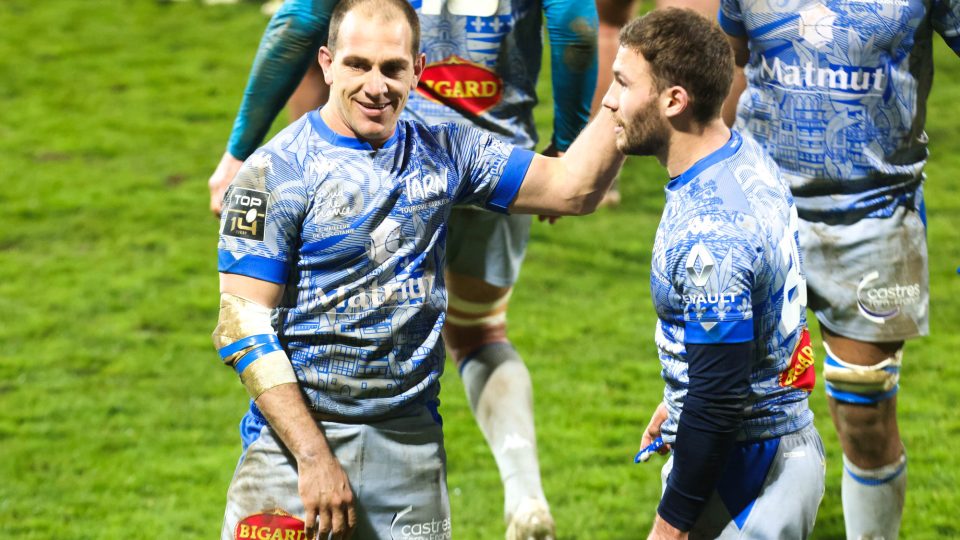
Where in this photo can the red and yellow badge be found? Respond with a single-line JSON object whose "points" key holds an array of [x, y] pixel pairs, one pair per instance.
{"points": [[274, 525], [800, 373], [461, 85]]}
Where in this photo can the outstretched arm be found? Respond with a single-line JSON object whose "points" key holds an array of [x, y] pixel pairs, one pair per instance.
{"points": [[575, 183], [288, 46]]}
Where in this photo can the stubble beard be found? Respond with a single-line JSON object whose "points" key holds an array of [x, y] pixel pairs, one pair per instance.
{"points": [[646, 134]]}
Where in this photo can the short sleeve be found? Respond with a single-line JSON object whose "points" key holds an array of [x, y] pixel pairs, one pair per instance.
{"points": [[490, 170], [262, 213], [715, 276], [730, 18], [945, 17]]}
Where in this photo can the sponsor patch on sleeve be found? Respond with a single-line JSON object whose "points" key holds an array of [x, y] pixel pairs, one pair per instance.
{"points": [[276, 525], [245, 213]]}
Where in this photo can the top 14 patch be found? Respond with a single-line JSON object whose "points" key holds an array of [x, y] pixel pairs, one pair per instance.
{"points": [[245, 213]]}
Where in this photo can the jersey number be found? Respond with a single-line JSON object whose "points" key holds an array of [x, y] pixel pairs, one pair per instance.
{"points": [[794, 287], [466, 8]]}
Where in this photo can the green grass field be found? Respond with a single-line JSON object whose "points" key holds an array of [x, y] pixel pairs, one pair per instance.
{"points": [[117, 419]]}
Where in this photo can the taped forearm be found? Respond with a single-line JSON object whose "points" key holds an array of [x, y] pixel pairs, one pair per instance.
{"points": [[289, 44], [572, 29], [247, 342]]}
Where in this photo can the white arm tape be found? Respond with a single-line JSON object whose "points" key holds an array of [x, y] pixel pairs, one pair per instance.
{"points": [[240, 319]]}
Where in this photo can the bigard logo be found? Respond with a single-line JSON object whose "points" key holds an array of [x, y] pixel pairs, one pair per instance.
{"points": [[461, 85], [275, 525]]}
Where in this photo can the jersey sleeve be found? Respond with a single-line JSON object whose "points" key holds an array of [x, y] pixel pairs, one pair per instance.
{"points": [[263, 210], [714, 275], [490, 170], [945, 16], [572, 30], [289, 44], [730, 18]]}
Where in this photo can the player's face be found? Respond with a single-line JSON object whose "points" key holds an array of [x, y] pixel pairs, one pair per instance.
{"points": [[642, 129], [371, 75]]}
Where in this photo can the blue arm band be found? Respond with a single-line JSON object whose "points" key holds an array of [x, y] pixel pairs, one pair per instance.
{"points": [[289, 44], [572, 28], [250, 341], [254, 354], [719, 383]]}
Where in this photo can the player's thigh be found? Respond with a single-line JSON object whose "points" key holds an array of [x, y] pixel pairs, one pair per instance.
{"points": [[868, 280], [487, 246], [404, 481], [791, 494], [263, 489]]}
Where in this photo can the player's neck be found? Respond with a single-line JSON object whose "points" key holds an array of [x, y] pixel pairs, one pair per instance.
{"points": [[690, 146]]}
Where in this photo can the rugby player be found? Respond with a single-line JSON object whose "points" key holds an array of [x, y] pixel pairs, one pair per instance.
{"points": [[483, 60], [837, 94], [729, 292], [332, 290]]}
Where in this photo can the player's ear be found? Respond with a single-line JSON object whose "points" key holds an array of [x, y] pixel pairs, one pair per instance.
{"points": [[325, 58], [675, 101], [419, 64]]}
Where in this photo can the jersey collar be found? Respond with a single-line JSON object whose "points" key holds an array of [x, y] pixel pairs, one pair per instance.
{"points": [[336, 139], [728, 149]]}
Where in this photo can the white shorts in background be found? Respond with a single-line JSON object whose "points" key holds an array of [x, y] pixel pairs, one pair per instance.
{"points": [[868, 280], [397, 471]]}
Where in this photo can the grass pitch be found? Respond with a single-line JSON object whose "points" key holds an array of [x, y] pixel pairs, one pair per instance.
{"points": [[116, 419]]}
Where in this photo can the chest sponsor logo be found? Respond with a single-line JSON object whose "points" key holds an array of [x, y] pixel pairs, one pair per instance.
{"points": [[428, 186], [800, 373], [811, 75], [246, 213], [880, 303], [462, 85], [433, 529], [410, 291], [276, 525]]}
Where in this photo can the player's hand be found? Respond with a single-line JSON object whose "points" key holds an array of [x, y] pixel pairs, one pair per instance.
{"points": [[665, 531], [327, 498], [653, 429], [550, 151], [220, 180]]}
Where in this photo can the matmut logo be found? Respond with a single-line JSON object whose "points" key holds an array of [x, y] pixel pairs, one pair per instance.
{"points": [[461, 85]]}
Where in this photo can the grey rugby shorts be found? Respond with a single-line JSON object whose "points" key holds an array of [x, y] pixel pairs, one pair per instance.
{"points": [[487, 245], [397, 471], [868, 280], [782, 503]]}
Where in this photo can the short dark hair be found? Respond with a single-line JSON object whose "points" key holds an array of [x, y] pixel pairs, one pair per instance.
{"points": [[384, 9], [684, 49]]}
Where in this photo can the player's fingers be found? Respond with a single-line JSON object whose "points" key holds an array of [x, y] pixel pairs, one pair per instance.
{"points": [[664, 450], [310, 523], [323, 524], [351, 520]]}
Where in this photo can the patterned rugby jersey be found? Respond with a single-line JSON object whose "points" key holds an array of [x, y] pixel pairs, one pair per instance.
{"points": [[726, 269], [483, 61], [837, 93], [357, 237]]}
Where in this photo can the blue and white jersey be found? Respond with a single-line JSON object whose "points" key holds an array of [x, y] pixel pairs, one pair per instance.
{"points": [[837, 93], [726, 269], [483, 62], [357, 235]]}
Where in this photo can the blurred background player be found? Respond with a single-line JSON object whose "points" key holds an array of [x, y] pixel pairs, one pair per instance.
{"points": [[729, 292], [837, 94], [613, 14], [483, 61]]}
